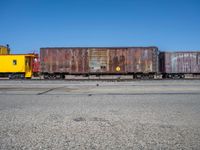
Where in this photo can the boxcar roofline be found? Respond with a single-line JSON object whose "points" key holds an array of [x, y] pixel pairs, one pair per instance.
{"points": [[98, 47], [195, 51]]}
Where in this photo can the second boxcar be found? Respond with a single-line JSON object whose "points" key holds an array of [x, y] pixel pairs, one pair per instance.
{"points": [[137, 61], [178, 64]]}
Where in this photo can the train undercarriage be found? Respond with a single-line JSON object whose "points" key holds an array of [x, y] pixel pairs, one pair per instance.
{"points": [[13, 75], [134, 75]]}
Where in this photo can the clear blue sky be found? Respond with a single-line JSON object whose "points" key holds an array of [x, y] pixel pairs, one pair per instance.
{"points": [[28, 25]]}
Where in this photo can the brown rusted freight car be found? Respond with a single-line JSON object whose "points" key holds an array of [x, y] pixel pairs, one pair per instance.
{"points": [[178, 64], [137, 61]]}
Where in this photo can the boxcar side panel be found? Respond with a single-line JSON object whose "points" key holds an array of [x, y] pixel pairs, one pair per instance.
{"points": [[64, 60], [98, 60], [181, 62], [117, 60], [142, 60], [78, 61]]}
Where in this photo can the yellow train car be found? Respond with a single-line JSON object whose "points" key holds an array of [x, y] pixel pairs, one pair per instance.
{"points": [[4, 50], [16, 66]]}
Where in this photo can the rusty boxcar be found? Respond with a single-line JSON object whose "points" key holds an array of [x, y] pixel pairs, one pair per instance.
{"points": [[178, 64], [137, 61]]}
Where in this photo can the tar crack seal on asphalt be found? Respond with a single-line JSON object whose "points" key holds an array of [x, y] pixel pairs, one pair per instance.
{"points": [[79, 119]]}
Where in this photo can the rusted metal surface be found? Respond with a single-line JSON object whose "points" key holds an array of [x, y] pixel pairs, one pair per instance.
{"points": [[64, 60], [118, 60], [109, 60], [143, 60], [180, 62], [98, 60]]}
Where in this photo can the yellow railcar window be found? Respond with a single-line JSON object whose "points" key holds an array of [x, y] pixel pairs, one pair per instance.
{"points": [[14, 62]]}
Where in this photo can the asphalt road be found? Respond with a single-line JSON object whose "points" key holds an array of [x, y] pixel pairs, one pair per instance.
{"points": [[100, 115]]}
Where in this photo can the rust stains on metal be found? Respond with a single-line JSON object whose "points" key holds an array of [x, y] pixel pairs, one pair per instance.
{"points": [[117, 60], [142, 60], [99, 60], [64, 60], [180, 62]]}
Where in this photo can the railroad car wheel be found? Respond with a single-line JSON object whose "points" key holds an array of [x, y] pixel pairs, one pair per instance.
{"points": [[62, 76], [59, 76], [134, 76], [176, 76], [169, 76], [182, 76], [139, 76], [46, 77], [151, 76]]}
